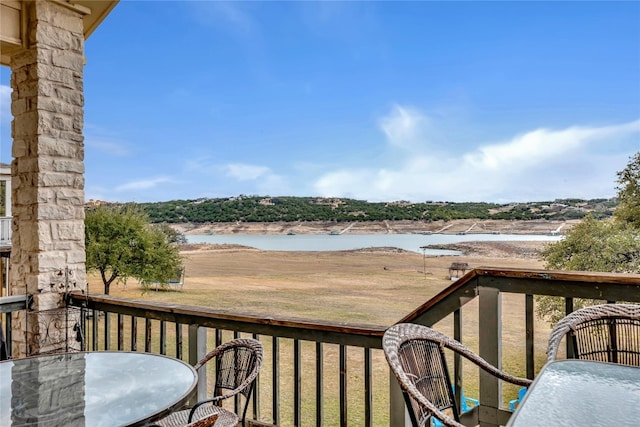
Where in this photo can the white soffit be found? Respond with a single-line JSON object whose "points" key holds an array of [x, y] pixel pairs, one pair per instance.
{"points": [[13, 21]]}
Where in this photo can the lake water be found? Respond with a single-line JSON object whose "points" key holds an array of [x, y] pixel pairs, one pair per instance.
{"points": [[326, 242]]}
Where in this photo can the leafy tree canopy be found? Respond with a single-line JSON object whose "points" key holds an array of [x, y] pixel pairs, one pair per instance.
{"points": [[611, 245], [121, 243], [628, 210]]}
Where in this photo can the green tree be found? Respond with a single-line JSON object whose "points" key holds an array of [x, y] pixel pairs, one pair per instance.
{"points": [[172, 235], [628, 209], [121, 243], [596, 245], [609, 245]]}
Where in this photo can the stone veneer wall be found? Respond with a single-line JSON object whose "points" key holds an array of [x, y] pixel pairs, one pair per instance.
{"points": [[48, 168]]}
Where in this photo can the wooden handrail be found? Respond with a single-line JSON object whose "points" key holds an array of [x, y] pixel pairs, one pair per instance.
{"points": [[13, 303], [304, 329], [572, 284]]}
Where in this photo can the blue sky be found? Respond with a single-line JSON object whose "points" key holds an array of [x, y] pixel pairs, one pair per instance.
{"points": [[460, 101]]}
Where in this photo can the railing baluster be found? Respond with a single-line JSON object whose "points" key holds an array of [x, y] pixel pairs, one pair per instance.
{"points": [[457, 361], [368, 388], [568, 308], [163, 337], [529, 336], [178, 341], [8, 334], [218, 337], [94, 329], [343, 386], [120, 332], [236, 400], [147, 335], [107, 331], [134, 333], [256, 395], [275, 365], [297, 383], [319, 384], [83, 328]]}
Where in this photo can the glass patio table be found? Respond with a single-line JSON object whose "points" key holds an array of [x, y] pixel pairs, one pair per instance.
{"points": [[92, 389], [581, 393]]}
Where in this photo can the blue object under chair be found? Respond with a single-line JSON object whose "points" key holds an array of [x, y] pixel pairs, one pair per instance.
{"points": [[514, 402], [468, 403]]}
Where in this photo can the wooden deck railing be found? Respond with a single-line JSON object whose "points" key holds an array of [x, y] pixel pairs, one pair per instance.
{"points": [[292, 345], [322, 373]]}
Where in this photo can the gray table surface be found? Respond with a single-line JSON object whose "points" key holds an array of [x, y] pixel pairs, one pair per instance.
{"points": [[92, 389], [581, 393]]}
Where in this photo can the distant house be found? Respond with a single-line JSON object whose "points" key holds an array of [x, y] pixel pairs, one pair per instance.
{"points": [[5, 226]]}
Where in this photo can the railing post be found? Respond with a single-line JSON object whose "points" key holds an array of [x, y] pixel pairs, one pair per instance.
{"points": [[398, 416], [197, 350], [490, 343]]}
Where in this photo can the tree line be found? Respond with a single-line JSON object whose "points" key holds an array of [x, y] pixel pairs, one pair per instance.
{"points": [[289, 209]]}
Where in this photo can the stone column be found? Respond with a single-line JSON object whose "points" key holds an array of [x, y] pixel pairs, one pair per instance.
{"points": [[48, 171]]}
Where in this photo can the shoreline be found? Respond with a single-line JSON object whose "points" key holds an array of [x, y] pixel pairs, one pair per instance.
{"points": [[460, 226], [490, 249]]}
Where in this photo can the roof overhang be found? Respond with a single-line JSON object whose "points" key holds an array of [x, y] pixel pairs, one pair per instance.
{"points": [[13, 21]]}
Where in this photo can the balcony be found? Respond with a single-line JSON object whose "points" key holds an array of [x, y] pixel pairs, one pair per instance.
{"points": [[334, 374], [5, 234]]}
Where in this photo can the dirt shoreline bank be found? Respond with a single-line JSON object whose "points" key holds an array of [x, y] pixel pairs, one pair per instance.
{"points": [[489, 249], [466, 226]]}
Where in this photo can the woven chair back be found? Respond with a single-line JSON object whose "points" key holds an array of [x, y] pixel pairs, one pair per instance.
{"points": [[604, 333], [425, 364], [613, 339], [233, 366]]}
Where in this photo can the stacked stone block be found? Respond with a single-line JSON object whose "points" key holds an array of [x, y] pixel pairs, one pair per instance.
{"points": [[48, 167]]}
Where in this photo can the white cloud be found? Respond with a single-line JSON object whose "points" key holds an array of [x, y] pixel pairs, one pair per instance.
{"points": [[267, 182], [244, 172], [542, 164], [403, 126], [144, 184], [5, 104], [274, 185], [541, 145]]}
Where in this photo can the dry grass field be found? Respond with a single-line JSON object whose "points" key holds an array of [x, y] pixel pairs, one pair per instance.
{"points": [[375, 286]]}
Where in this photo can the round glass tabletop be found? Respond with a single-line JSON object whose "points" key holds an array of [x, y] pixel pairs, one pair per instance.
{"points": [[92, 389]]}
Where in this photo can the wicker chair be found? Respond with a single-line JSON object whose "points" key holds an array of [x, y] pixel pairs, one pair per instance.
{"points": [[605, 333], [238, 363], [416, 356], [221, 419]]}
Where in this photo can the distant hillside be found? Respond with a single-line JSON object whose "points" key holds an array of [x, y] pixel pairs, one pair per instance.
{"points": [[288, 209]]}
